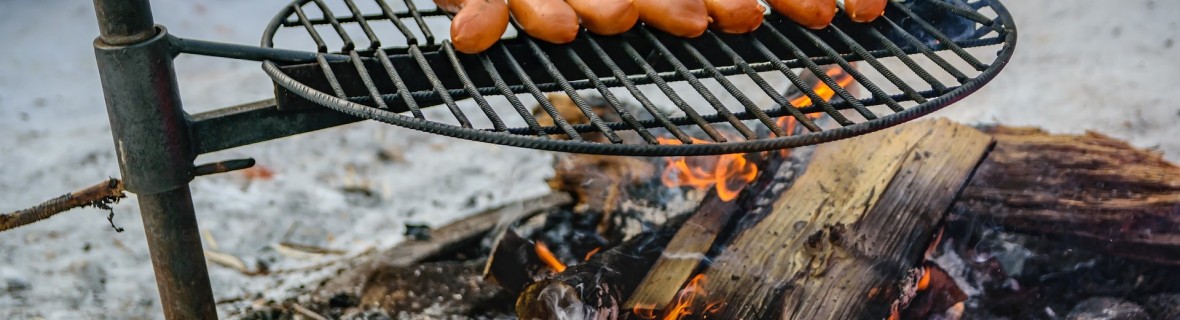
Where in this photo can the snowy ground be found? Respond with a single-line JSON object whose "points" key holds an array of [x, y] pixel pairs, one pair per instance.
{"points": [[1108, 66]]}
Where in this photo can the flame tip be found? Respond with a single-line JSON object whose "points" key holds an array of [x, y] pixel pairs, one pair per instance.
{"points": [[547, 257]]}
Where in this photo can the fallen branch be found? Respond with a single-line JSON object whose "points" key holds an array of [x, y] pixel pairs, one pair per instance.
{"points": [[100, 195]]}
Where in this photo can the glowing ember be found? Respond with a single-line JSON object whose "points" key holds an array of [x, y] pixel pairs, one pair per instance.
{"points": [[687, 303], [729, 173], [924, 282], [548, 258], [591, 253]]}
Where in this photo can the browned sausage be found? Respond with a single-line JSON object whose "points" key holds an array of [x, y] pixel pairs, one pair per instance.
{"points": [[683, 18], [815, 14], [606, 17], [864, 10], [478, 25], [735, 16], [549, 20], [451, 6]]}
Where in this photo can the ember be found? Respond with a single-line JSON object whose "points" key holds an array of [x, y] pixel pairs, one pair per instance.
{"points": [[591, 253], [548, 258]]}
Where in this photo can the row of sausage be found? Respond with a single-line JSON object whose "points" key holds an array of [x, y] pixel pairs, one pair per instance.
{"points": [[478, 24]]}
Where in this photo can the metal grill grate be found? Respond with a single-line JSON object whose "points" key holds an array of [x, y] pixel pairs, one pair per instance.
{"points": [[393, 77]]}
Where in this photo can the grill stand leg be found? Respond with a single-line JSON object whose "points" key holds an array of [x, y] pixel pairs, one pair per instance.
{"points": [[155, 152]]}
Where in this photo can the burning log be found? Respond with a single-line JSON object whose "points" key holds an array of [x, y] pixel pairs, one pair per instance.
{"points": [[597, 288], [849, 238], [1095, 191], [853, 224], [683, 254], [726, 175]]}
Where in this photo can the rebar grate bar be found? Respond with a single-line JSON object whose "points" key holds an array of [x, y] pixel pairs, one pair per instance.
{"points": [[697, 85]]}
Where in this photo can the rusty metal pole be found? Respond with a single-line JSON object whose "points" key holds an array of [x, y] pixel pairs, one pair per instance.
{"points": [[155, 151]]}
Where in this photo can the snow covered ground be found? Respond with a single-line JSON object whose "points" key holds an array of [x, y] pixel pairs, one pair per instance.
{"points": [[1108, 66]]}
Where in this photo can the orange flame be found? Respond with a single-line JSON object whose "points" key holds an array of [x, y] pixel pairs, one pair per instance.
{"points": [[894, 314], [547, 257], [843, 79], [732, 172], [729, 173], [686, 303], [923, 284]]}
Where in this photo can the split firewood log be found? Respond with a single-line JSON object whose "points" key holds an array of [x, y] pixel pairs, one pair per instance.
{"points": [[854, 223], [1091, 190]]}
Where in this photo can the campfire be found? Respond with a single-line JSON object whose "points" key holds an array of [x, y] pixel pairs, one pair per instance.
{"points": [[857, 229]]}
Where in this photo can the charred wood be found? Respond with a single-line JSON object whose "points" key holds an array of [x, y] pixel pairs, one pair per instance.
{"points": [[1092, 190], [597, 288]]}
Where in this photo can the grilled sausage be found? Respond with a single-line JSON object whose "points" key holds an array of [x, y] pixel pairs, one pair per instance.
{"points": [[606, 17], [478, 24], [864, 10], [735, 16], [451, 6], [553, 21], [682, 18], [814, 14]]}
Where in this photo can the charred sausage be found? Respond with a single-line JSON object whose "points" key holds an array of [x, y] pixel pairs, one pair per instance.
{"points": [[606, 17], [735, 16], [478, 23], [553, 21], [683, 18], [864, 10], [814, 14]]}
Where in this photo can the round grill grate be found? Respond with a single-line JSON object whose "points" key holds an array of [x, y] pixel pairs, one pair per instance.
{"points": [[641, 93]]}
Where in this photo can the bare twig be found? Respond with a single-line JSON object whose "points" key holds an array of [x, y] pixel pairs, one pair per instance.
{"points": [[100, 195], [232, 262], [306, 312]]}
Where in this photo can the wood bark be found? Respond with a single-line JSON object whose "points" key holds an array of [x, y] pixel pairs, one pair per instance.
{"points": [[100, 195], [1091, 190], [849, 228]]}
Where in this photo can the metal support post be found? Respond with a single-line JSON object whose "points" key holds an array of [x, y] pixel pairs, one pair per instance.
{"points": [[155, 151]]}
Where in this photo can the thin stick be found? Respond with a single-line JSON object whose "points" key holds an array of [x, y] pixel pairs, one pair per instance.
{"points": [[306, 312], [100, 195]]}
